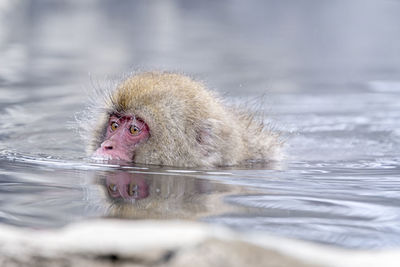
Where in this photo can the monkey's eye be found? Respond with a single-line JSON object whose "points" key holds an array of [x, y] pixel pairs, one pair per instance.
{"points": [[114, 126], [112, 187], [134, 130], [133, 189]]}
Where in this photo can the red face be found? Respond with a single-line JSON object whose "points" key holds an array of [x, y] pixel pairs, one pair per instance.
{"points": [[124, 133]]}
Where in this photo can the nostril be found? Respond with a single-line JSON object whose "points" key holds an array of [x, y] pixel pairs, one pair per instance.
{"points": [[107, 145]]}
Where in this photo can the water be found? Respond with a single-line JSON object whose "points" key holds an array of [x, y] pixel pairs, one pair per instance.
{"points": [[329, 73]]}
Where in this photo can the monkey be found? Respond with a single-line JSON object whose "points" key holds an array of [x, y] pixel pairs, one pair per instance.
{"points": [[169, 119]]}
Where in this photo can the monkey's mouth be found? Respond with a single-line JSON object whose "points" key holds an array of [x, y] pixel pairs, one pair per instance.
{"points": [[101, 155]]}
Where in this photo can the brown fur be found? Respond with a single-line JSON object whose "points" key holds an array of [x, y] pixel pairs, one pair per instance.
{"points": [[189, 126]]}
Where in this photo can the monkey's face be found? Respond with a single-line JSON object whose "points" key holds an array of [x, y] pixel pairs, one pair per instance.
{"points": [[123, 134]]}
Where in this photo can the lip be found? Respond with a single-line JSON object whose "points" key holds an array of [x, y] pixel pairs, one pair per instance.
{"points": [[99, 154]]}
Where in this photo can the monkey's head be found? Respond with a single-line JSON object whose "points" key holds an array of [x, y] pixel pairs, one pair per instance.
{"points": [[163, 119]]}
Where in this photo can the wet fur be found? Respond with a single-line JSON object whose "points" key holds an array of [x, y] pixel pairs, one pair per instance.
{"points": [[189, 125]]}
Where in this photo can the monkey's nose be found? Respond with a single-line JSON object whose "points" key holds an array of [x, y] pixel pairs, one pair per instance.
{"points": [[113, 149], [108, 145]]}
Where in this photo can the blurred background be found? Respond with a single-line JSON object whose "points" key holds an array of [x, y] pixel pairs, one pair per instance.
{"points": [[235, 45]]}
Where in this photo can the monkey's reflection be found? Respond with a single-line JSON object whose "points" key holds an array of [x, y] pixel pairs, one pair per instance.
{"points": [[127, 186], [148, 196]]}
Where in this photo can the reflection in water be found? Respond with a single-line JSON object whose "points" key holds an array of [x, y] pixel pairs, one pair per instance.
{"points": [[148, 196], [127, 186], [36, 195]]}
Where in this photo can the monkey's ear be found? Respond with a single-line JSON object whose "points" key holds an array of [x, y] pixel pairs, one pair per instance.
{"points": [[205, 132], [206, 138], [203, 136]]}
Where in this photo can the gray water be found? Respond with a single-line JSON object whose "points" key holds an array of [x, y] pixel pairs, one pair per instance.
{"points": [[326, 73]]}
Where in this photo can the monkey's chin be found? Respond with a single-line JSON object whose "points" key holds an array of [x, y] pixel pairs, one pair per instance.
{"points": [[101, 156]]}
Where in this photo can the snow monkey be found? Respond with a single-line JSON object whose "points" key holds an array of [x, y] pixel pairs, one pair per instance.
{"points": [[169, 119]]}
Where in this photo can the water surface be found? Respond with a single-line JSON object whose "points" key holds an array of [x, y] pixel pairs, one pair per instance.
{"points": [[326, 74]]}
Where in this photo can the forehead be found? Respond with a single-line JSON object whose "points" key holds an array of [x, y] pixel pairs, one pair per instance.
{"points": [[125, 118], [121, 117]]}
